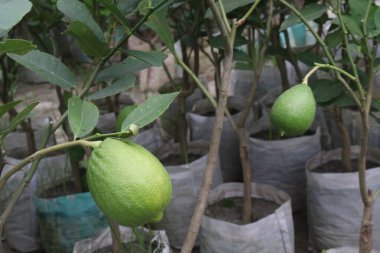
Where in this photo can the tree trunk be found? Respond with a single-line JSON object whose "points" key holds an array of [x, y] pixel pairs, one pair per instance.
{"points": [[366, 231]]}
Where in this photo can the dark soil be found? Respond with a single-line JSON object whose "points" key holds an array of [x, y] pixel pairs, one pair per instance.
{"points": [[274, 135], [63, 189], [176, 159], [233, 111], [132, 247], [231, 209], [336, 166]]}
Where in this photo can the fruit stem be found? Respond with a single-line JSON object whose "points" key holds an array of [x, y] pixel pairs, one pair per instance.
{"points": [[307, 76], [327, 66]]}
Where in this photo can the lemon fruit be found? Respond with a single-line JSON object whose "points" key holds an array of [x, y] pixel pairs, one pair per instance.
{"points": [[293, 111], [128, 183]]}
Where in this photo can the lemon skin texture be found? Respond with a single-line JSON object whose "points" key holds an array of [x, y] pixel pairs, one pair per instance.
{"points": [[128, 183], [293, 111]]}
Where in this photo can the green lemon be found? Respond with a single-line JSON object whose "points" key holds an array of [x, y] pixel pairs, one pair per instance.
{"points": [[293, 111], [128, 183]]}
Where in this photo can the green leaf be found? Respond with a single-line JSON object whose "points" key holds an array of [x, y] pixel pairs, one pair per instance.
{"points": [[153, 58], [127, 67], [353, 24], [116, 12], [310, 58], [87, 39], [358, 7], [19, 117], [325, 90], [116, 87], [376, 104], [83, 116], [76, 153], [16, 46], [343, 100], [47, 67], [334, 39], [11, 12], [158, 22], [229, 6], [6, 107], [77, 11], [123, 115], [377, 18], [149, 111], [309, 12]]}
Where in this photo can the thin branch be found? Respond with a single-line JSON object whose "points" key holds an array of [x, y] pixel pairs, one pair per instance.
{"points": [[200, 207], [249, 12], [346, 46]]}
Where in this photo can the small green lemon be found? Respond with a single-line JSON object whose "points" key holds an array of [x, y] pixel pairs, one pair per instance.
{"points": [[293, 111], [128, 183]]}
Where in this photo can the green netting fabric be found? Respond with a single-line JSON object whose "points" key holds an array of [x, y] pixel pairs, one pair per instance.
{"points": [[67, 219]]}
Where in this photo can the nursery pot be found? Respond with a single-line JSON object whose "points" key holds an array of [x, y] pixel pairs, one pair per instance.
{"points": [[335, 207], [201, 121], [186, 180], [103, 241], [281, 163], [346, 250], [272, 233], [63, 220], [21, 228]]}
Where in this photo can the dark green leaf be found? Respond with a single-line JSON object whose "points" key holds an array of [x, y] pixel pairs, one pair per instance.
{"points": [[353, 24], [309, 12], [128, 6], [325, 90], [47, 67], [310, 58], [343, 100], [16, 46], [149, 111], [19, 117], [153, 58], [116, 87], [77, 11], [376, 104], [11, 12], [76, 153], [158, 22], [334, 39], [6, 107], [116, 12], [83, 116], [127, 67], [87, 39], [229, 6], [358, 7], [377, 18]]}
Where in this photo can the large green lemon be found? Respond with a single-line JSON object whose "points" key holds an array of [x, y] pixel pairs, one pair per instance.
{"points": [[128, 183], [293, 111]]}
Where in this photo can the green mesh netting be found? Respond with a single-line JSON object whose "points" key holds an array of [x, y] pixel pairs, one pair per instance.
{"points": [[67, 219]]}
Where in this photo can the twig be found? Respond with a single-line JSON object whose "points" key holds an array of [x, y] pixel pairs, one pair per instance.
{"points": [[200, 207]]}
